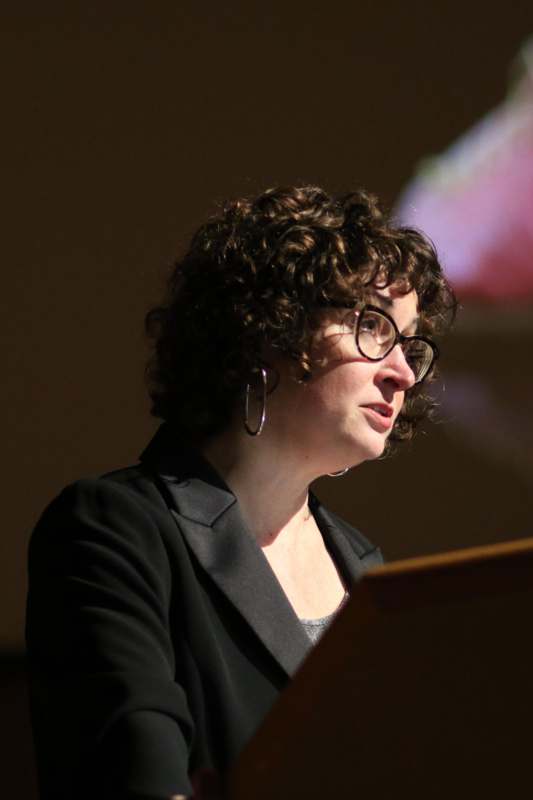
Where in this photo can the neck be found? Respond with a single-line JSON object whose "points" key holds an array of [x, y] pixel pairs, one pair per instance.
{"points": [[270, 485]]}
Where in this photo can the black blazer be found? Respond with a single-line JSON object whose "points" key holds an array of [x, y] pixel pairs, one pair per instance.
{"points": [[158, 636]]}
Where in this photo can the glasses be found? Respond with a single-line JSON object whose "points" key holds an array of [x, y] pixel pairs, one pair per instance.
{"points": [[376, 334]]}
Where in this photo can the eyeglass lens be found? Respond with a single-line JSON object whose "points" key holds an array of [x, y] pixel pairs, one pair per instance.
{"points": [[376, 336]]}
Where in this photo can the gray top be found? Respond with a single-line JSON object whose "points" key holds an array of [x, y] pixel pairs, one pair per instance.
{"points": [[314, 628]]}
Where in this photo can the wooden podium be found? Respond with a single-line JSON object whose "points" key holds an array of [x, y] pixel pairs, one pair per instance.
{"points": [[422, 688]]}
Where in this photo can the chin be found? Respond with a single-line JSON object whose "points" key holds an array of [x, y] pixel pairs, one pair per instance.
{"points": [[360, 450], [373, 446], [375, 454]]}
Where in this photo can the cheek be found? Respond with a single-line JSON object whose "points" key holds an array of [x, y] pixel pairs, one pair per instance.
{"points": [[341, 386]]}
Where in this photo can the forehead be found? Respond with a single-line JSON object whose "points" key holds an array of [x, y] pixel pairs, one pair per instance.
{"points": [[401, 306]]}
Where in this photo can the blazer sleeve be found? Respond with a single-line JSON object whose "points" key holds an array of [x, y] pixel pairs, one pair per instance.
{"points": [[109, 719]]}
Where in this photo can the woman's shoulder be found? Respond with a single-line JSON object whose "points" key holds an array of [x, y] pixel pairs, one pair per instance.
{"points": [[127, 486], [120, 508]]}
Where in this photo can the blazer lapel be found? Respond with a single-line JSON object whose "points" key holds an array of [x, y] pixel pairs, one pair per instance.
{"points": [[350, 550], [208, 515]]}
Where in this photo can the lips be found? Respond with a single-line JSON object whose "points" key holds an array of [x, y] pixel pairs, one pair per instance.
{"points": [[380, 408], [380, 416]]}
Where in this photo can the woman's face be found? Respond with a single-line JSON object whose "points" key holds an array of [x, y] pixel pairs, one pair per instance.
{"points": [[346, 412]]}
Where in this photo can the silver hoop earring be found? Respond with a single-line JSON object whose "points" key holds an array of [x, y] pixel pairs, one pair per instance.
{"points": [[262, 419], [339, 473]]}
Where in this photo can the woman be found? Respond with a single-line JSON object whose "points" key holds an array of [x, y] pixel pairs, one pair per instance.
{"points": [[170, 602]]}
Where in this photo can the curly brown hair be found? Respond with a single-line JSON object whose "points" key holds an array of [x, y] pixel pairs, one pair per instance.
{"points": [[254, 277]]}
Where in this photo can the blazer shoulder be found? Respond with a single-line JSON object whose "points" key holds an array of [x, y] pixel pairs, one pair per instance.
{"points": [[139, 481], [132, 485], [119, 506]]}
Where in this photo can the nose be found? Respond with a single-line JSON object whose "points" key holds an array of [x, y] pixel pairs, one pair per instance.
{"points": [[394, 367]]}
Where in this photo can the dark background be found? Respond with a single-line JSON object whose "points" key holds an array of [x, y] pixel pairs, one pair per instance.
{"points": [[123, 124]]}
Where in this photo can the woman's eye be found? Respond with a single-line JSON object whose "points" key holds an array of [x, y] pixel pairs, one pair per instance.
{"points": [[369, 326]]}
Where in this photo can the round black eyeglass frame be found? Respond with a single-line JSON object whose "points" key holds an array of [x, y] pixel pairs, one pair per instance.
{"points": [[399, 338]]}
